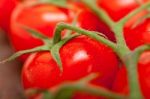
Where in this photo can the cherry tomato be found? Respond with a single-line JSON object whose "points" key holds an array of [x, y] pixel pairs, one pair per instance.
{"points": [[121, 85], [6, 7], [94, 24], [117, 9], [138, 35], [89, 21], [80, 57], [42, 18]]}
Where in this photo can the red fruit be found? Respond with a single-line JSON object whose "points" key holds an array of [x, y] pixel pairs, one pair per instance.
{"points": [[121, 85], [80, 57], [90, 21], [42, 18], [139, 35], [6, 7], [117, 9]]}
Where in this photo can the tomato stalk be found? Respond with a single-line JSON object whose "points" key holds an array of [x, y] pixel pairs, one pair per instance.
{"points": [[128, 57], [45, 47], [98, 91], [131, 61], [122, 49], [63, 91], [61, 26]]}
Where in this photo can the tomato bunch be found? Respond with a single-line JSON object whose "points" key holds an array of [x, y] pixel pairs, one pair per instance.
{"points": [[96, 52]]}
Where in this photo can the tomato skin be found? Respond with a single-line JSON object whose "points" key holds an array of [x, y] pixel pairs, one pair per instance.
{"points": [[80, 57], [121, 85], [117, 9], [138, 35], [89, 21], [6, 7], [40, 71], [42, 18]]}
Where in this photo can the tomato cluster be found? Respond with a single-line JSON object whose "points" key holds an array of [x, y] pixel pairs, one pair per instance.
{"points": [[82, 55]]}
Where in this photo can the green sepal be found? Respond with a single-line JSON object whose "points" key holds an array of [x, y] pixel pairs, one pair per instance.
{"points": [[74, 23], [19, 53], [55, 50], [47, 95], [37, 34]]}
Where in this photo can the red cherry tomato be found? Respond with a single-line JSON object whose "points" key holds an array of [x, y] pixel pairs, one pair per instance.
{"points": [[6, 7], [80, 57], [121, 85], [39, 17], [89, 21], [117, 9], [139, 35]]}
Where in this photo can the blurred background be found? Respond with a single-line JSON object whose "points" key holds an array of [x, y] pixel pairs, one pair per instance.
{"points": [[10, 84]]}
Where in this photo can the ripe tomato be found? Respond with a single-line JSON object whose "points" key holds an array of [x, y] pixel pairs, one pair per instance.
{"points": [[139, 35], [6, 7], [80, 57], [42, 17], [121, 85], [89, 21], [117, 9]]}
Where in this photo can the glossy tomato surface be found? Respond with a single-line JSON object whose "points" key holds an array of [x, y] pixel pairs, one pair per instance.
{"points": [[80, 57], [117, 9], [121, 84], [6, 8], [42, 18], [90, 21], [138, 35]]}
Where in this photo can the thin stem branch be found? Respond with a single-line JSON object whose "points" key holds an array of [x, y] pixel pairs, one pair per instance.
{"points": [[19, 53], [92, 90], [115, 27], [122, 48], [92, 34], [131, 61], [132, 73], [133, 13], [84, 86]]}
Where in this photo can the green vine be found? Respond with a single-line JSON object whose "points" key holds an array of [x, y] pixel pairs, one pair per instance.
{"points": [[65, 90], [128, 57]]}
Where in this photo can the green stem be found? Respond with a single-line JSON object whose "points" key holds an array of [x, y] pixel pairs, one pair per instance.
{"points": [[133, 13], [117, 28], [83, 85], [36, 34], [92, 34], [19, 53], [122, 48], [131, 61], [56, 48], [134, 84], [91, 89], [99, 12]]}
